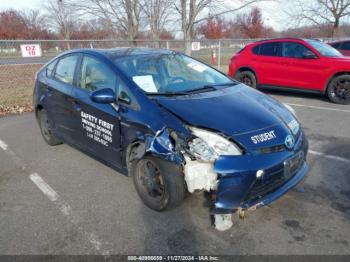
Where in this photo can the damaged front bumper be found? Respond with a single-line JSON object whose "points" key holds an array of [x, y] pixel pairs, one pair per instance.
{"points": [[241, 182], [239, 186]]}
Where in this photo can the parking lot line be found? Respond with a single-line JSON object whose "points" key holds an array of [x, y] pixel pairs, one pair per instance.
{"points": [[66, 209], [341, 159], [320, 107], [45, 188], [3, 145]]}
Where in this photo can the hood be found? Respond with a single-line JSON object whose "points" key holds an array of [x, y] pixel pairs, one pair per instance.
{"points": [[231, 111], [340, 59]]}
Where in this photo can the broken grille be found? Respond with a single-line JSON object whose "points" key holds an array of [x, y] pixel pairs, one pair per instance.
{"points": [[276, 178]]}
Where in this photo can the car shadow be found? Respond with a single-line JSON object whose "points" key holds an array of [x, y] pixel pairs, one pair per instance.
{"points": [[295, 94]]}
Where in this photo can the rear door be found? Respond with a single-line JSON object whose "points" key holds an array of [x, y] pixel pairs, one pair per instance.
{"points": [[97, 126], [60, 81], [302, 68], [267, 61]]}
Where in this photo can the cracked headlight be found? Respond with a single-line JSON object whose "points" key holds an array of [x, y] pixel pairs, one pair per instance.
{"points": [[208, 146]]}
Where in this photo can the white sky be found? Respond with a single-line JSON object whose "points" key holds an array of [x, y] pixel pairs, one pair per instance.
{"points": [[272, 11]]}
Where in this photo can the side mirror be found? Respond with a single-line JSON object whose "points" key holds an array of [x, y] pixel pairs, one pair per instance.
{"points": [[103, 96], [309, 55]]}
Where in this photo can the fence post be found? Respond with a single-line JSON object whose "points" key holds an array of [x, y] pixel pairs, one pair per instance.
{"points": [[219, 55]]}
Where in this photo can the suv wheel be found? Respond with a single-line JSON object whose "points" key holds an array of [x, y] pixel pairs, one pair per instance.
{"points": [[338, 90], [46, 128], [247, 77], [159, 183]]}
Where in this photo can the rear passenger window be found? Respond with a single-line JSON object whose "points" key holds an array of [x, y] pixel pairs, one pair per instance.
{"points": [[96, 75], [256, 50], [270, 49], [346, 46], [50, 68], [65, 68]]}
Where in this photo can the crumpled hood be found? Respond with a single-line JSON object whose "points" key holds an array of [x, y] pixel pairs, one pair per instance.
{"points": [[231, 111]]}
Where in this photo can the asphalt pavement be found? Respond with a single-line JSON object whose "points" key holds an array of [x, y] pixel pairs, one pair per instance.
{"points": [[56, 200]]}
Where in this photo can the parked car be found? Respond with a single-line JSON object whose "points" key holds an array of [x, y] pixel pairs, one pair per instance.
{"points": [[300, 64], [173, 124], [342, 46]]}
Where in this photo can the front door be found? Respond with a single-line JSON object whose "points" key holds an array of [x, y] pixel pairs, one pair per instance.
{"points": [[97, 126], [298, 70]]}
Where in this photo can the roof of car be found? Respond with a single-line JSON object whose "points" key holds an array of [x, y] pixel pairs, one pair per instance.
{"points": [[114, 53], [282, 39]]}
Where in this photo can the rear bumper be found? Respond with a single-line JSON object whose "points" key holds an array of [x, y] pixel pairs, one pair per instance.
{"points": [[239, 187]]}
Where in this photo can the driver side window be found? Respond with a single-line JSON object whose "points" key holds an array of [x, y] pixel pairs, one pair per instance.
{"points": [[95, 75]]}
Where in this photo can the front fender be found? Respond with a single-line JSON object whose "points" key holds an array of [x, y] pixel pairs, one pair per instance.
{"points": [[160, 145]]}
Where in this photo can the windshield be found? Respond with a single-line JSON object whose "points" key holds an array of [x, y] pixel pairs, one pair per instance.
{"points": [[324, 49], [171, 74]]}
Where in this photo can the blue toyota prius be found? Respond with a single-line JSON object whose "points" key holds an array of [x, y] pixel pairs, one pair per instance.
{"points": [[172, 123]]}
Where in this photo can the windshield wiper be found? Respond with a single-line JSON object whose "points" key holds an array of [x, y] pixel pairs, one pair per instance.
{"points": [[206, 88], [168, 94], [224, 84]]}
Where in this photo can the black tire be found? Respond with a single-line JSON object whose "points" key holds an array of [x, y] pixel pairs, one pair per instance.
{"points": [[46, 129], [247, 77], [160, 189], [338, 90]]}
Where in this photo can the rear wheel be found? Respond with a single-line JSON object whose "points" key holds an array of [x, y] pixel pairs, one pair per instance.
{"points": [[247, 77], [338, 90], [46, 128], [159, 183]]}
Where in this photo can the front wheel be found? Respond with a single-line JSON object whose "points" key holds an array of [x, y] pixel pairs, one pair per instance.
{"points": [[338, 90], [159, 183], [247, 77]]}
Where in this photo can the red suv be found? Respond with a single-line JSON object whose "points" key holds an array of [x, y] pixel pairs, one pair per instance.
{"points": [[302, 64], [342, 46]]}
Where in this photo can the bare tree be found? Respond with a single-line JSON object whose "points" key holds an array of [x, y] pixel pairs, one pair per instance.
{"points": [[123, 15], [157, 15], [63, 18], [34, 18], [321, 12], [190, 11], [36, 23]]}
